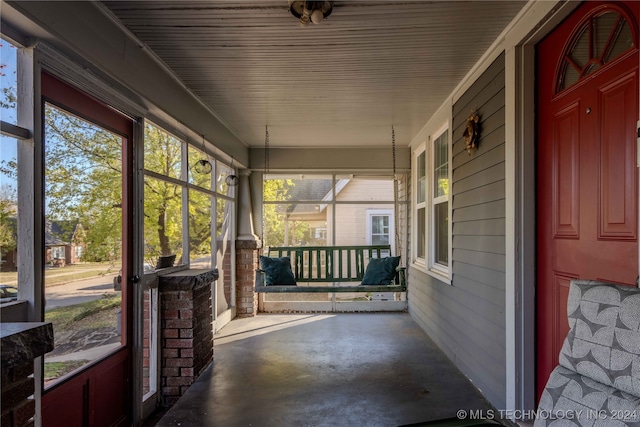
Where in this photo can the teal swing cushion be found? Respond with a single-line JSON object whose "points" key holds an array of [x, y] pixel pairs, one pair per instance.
{"points": [[277, 271], [381, 271]]}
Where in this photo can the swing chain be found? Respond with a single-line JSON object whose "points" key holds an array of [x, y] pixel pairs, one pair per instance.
{"points": [[393, 147], [266, 171], [395, 194], [266, 150]]}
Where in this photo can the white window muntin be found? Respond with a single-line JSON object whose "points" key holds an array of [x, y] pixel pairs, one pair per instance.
{"points": [[390, 231], [420, 213], [438, 195]]}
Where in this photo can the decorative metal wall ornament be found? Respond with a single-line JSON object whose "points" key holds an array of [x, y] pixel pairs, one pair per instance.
{"points": [[471, 132]]}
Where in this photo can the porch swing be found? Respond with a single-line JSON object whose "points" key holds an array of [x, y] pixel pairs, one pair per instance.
{"points": [[282, 268]]}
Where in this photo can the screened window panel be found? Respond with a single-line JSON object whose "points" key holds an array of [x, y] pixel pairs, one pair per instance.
{"points": [[294, 225], [293, 188], [223, 187], [83, 206], [199, 229], [162, 152], [9, 210], [197, 172], [162, 220], [8, 82], [224, 217]]}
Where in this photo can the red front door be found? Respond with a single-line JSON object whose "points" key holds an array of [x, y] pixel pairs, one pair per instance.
{"points": [[587, 175]]}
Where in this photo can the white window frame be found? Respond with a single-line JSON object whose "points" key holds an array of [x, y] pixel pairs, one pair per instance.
{"points": [[436, 269], [392, 232], [420, 259]]}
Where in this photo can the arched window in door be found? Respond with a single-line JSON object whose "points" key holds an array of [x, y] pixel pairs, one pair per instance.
{"points": [[602, 37]]}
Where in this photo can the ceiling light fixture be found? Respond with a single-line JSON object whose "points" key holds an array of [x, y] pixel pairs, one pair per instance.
{"points": [[232, 178], [203, 166], [310, 11]]}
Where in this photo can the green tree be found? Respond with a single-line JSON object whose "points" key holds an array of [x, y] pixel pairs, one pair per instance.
{"points": [[83, 181], [8, 164], [162, 199], [8, 223], [199, 223], [274, 190], [274, 215]]}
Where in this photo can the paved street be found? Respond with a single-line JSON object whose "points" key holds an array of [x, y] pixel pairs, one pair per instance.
{"points": [[78, 291]]}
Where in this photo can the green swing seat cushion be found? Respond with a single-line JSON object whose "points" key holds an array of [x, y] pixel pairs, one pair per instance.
{"points": [[381, 271], [277, 271]]}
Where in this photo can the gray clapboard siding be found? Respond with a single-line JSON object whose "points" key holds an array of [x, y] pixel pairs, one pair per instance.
{"points": [[484, 337], [493, 76], [491, 244], [484, 177], [480, 259], [482, 292], [491, 210], [480, 275], [467, 318], [490, 156], [480, 195], [488, 227], [465, 344]]}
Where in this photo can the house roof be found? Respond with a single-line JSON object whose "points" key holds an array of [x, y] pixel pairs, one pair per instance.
{"points": [[59, 233]]}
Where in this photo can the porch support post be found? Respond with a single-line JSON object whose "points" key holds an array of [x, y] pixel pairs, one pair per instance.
{"points": [[245, 208], [248, 246], [186, 335]]}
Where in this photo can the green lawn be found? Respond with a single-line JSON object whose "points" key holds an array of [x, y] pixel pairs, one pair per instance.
{"points": [[82, 316], [53, 370], [57, 275], [67, 321]]}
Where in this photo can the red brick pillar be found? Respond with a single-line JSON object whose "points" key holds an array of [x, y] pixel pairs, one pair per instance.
{"points": [[186, 330], [247, 252]]}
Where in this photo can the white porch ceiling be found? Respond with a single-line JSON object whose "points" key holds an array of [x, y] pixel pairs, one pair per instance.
{"points": [[342, 83]]}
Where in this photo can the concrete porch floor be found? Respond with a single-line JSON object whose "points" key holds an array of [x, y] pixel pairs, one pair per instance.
{"points": [[324, 370]]}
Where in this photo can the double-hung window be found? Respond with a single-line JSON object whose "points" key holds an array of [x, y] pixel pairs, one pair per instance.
{"points": [[431, 165], [421, 206], [439, 247]]}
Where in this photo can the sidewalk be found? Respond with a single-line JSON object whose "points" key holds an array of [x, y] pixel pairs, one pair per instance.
{"points": [[89, 354]]}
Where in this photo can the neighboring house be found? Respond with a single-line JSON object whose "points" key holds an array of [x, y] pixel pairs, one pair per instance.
{"points": [[312, 214], [64, 243], [364, 224], [354, 223]]}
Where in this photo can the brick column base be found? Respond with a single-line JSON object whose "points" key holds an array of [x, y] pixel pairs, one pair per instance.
{"points": [[247, 252], [186, 330]]}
